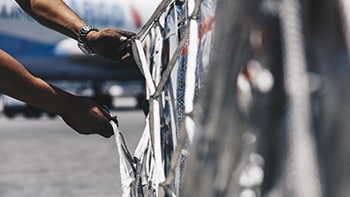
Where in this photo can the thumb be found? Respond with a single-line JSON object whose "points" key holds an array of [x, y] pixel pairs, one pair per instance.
{"points": [[123, 38]]}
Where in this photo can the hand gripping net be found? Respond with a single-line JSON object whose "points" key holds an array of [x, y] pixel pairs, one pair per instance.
{"points": [[166, 52]]}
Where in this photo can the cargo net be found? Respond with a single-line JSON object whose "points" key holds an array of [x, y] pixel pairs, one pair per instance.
{"points": [[171, 58], [275, 110]]}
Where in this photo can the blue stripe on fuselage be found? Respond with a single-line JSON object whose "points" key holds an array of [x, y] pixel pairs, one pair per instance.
{"points": [[18, 47]]}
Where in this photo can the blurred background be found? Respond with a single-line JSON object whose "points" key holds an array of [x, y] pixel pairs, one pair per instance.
{"points": [[43, 157]]}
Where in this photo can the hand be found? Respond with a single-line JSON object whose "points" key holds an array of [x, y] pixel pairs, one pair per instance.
{"points": [[87, 117], [107, 43]]}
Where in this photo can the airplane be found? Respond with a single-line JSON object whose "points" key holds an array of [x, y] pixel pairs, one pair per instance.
{"points": [[57, 59]]}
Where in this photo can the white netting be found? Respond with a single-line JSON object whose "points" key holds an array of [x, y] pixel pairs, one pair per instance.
{"points": [[166, 51], [285, 136]]}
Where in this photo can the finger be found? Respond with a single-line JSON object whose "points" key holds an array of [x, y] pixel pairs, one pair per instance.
{"points": [[126, 56], [124, 35], [126, 45], [105, 111], [108, 115], [107, 132], [128, 34], [123, 38], [115, 33]]}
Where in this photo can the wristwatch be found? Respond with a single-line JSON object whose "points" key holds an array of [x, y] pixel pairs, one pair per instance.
{"points": [[82, 44]]}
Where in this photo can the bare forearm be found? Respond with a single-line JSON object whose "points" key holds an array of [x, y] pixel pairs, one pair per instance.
{"points": [[83, 115], [17, 82], [54, 14]]}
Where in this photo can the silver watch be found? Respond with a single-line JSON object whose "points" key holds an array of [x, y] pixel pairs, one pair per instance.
{"points": [[82, 44]]}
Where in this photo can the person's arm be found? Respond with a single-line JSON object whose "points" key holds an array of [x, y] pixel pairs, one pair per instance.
{"points": [[55, 14], [83, 115]]}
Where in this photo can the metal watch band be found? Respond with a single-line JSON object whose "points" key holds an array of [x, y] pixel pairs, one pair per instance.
{"points": [[84, 31], [82, 44]]}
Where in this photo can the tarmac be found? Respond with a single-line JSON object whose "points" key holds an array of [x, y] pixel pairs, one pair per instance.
{"points": [[45, 158]]}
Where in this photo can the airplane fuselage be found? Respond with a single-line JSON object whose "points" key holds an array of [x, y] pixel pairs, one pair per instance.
{"points": [[20, 35]]}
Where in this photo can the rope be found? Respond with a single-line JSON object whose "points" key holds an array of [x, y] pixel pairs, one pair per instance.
{"points": [[302, 168], [345, 15]]}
